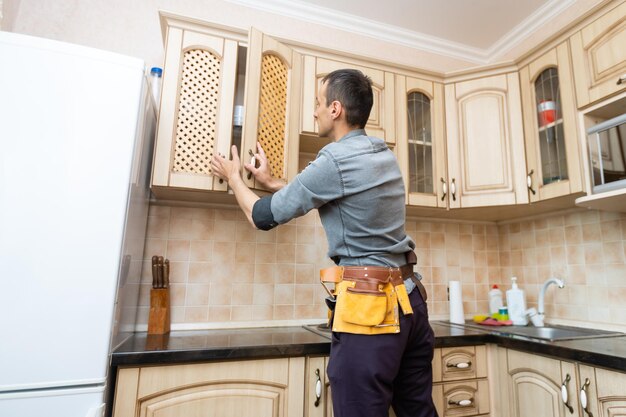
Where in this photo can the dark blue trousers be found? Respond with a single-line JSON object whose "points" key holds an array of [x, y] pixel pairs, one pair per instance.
{"points": [[368, 374]]}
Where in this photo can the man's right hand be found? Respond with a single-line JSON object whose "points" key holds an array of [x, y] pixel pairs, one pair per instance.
{"points": [[263, 173]]}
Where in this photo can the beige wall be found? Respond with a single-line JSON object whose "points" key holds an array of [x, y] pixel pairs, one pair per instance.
{"points": [[132, 28], [225, 273]]}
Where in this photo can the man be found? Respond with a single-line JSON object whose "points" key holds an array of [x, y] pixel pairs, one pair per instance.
{"points": [[356, 185]]}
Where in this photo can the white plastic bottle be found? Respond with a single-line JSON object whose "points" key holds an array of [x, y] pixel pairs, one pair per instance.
{"points": [[516, 304], [155, 84], [495, 300]]}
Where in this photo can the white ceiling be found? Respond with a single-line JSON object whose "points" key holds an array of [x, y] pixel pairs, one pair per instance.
{"points": [[475, 30]]}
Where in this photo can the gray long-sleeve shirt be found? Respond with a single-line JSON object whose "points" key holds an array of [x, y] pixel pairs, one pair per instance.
{"points": [[356, 185]]}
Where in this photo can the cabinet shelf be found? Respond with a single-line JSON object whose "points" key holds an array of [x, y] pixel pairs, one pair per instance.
{"points": [[551, 125], [608, 201]]}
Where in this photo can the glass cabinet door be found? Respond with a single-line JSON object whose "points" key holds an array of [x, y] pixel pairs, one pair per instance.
{"points": [[420, 179], [550, 125]]}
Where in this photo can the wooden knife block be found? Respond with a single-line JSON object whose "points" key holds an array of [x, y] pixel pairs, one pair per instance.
{"points": [[159, 318]]}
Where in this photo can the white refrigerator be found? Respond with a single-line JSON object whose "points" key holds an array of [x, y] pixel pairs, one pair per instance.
{"points": [[76, 134]]}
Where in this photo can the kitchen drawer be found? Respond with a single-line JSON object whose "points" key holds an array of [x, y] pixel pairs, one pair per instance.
{"points": [[466, 398], [453, 364]]}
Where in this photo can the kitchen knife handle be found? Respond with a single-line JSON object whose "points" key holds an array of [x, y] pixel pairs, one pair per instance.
{"points": [[166, 273], [160, 273], [155, 271]]}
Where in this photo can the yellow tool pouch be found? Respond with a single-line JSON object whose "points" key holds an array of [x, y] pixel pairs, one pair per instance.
{"points": [[365, 305]]}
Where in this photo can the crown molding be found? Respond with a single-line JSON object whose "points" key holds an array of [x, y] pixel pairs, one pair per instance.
{"points": [[412, 39]]}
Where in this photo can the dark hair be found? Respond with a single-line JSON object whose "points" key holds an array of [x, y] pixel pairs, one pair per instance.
{"points": [[353, 90]]}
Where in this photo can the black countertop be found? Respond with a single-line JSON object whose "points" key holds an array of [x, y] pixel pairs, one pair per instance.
{"points": [[207, 345]]}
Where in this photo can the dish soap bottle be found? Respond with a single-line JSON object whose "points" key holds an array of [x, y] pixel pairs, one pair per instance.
{"points": [[516, 304], [495, 300]]}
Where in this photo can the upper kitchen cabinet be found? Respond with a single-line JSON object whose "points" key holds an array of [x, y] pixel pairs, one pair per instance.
{"points": [[485, 142], [381, 121], [197, 102], [421, 141], [599, 57], [203, 84], [552, 145], [272, 97]]}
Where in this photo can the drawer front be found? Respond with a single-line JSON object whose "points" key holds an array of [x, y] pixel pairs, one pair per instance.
{"points": [[466, 362], [467, 398]]}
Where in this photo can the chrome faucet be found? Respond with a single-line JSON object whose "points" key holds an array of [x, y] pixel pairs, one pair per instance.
{"points": [[542, 293]]}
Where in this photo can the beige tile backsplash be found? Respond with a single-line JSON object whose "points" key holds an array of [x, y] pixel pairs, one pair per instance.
{"points": [[225, 273]]}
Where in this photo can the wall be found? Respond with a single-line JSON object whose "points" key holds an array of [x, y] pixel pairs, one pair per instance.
{"points": [[225, 273]]}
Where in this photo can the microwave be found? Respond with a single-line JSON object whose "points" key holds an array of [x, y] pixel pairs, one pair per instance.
{"points": [[607, 154]]}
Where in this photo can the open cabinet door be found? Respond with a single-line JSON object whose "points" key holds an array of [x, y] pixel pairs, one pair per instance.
{"points": [[272, 97]]}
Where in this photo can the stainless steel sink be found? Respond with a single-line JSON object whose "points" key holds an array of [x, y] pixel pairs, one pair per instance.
{"points": [[554, 333], [551, 333]]}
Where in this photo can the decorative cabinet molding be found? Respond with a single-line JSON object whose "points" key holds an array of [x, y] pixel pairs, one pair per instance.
{"points": [[485, 142], [271, 388], [553, 151], [381, 122], [272, 97], [599, 57], [420, 143]]}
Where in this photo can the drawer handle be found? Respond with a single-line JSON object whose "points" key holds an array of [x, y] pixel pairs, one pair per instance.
{"points": [[462, 403], [621, 80], [460, 365], [529, 181], [318, 388], [584, 402], [565, 394], [453, 189], [444, 188]]}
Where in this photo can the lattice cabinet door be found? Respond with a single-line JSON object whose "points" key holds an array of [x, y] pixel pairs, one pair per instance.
{"points": [[421, 141], [272, 97], [381, 122], [196, 109], [553, 155]]}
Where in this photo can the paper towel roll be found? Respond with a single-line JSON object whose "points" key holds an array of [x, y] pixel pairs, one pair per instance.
{"points": [[456, 302]]}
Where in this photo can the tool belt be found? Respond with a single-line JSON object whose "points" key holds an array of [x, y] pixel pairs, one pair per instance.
{"points": [[367, 297]]}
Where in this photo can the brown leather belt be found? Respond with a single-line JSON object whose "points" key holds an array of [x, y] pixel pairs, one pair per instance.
{"points": [[369, 277]]}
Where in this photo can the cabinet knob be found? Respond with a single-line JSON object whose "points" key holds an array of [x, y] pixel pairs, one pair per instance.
{"points": [[565, 394], [621, 80], [444, 188], [318, 388], [584, 401]]}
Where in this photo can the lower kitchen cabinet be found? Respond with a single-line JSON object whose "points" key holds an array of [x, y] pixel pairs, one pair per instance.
{"points": [[270, 387], [460, 384], [534, 385], [543, 386]]}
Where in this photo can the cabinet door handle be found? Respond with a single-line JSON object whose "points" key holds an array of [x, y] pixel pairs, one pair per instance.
{"points": [[621, 80], [529, 181], [462, 403], [444, 188], [252, 162], [584, 401], [453, 189], [318, 388], [565, 394], [460, 365]]}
